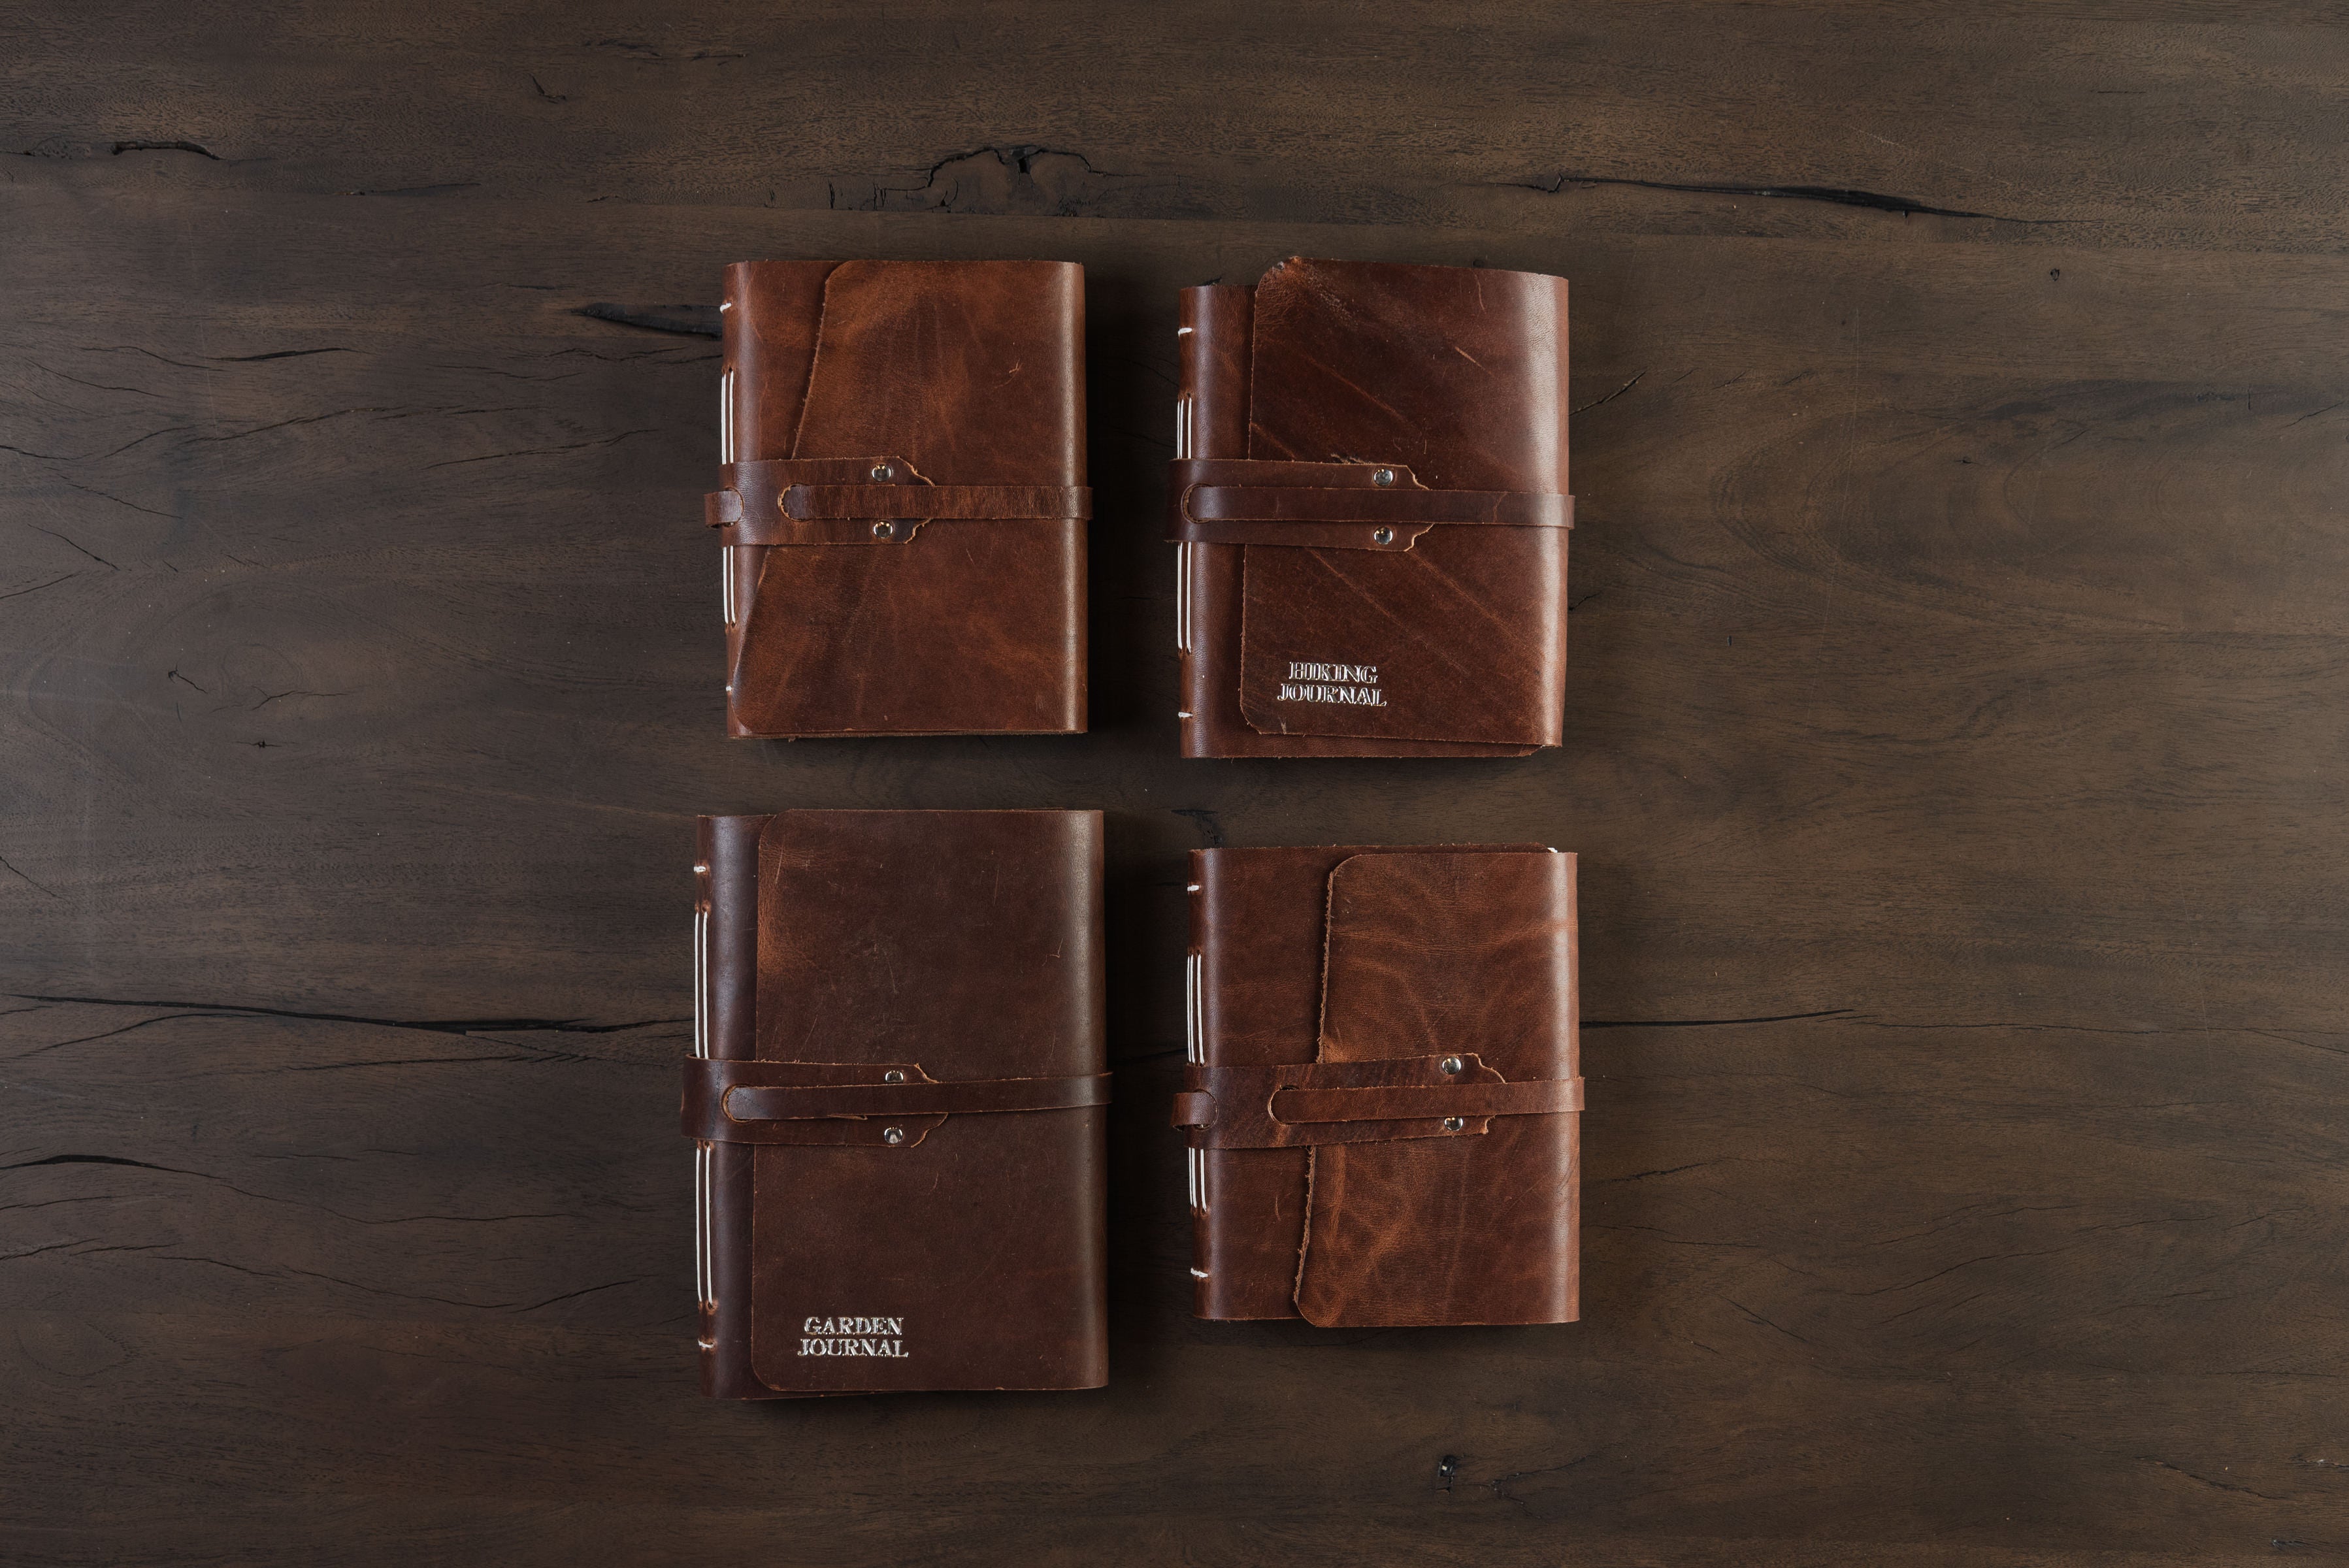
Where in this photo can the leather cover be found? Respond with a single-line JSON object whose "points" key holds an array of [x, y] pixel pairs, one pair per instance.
{"points": [[899, 1100], [903, 502], [1383, 1094], [1370, 498]]}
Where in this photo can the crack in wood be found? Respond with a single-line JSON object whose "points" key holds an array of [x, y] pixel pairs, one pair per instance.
{"points": [[197, 148], [538, 451], [1707, 1023], [1211, 831], [5, 862], [1612, 396], [693, 320], [1838, 195], [428, 1026]]}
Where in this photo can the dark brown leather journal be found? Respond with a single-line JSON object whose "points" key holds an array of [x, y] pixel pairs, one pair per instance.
{"points": [[898, 1098], [1382, 1096], [1370, 498], [903, 503]]}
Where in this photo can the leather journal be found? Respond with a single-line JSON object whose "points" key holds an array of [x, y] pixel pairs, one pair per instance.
{"points": [[1370, 498], [1382, 1095], [901, 508], [897, 1099]]}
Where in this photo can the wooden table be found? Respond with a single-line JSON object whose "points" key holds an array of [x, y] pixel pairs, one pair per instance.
{"points": [[1955, 749]]}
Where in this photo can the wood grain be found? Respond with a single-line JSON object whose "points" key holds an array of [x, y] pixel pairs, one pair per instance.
{"points": [[1954, 750]]}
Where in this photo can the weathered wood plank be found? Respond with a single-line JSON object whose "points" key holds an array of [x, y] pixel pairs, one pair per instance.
{"points": [[1954, 754], [2177, 124]]}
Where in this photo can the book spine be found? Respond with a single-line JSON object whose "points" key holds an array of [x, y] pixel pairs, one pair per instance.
{"points": [[1186, 400], [1210, 421], [705, 1293], [737, 565], [1195, 1050], [725, 945]]}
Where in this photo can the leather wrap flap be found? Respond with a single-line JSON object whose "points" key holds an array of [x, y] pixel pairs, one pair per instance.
{"points": [[878, 403]]}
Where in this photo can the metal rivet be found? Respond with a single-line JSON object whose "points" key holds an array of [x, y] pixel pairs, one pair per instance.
{"points": [[881, 470], [1382, 476], [893, 1076], [1383, 536], [1451, 1124], [884, 531], [893, 1135], [1451, 1064]]}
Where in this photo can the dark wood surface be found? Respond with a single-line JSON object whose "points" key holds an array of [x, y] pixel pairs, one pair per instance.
{"points": [[1956, 744]]}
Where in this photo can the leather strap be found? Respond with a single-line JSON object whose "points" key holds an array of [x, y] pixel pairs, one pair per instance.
{"points": [[958, 502], [865, 500], [1300, 1103], [1535, 1097], [1336, 506], [791, 1102]]}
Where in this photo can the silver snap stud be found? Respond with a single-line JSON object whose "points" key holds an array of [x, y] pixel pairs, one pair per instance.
{"points": [[1383, 536], [884, 531], [1382, 476], [893, 1076], [1451, 1064], [1451, 1124], [881, 470], [893, 1135]]}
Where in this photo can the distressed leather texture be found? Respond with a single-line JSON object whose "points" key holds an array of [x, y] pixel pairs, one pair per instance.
{"points": [[958, 607], [905, 1101], [1455, 381], [1342, 1176]]}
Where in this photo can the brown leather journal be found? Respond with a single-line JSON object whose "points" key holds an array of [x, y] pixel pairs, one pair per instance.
{"points": [[903, 502], [897, 1098], [1370, 498], [1382, 1093]]}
